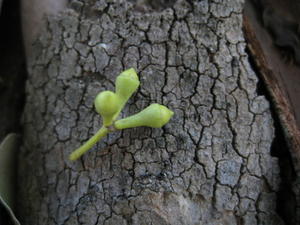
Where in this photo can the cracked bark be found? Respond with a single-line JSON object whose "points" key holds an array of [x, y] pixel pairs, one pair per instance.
{"points": [[210, 165]]}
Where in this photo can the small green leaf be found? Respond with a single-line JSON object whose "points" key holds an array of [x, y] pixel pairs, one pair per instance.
{"points": [[8, 153]]}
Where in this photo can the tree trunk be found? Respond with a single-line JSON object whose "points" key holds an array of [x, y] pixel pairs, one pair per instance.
{"points": [[210, 165]]}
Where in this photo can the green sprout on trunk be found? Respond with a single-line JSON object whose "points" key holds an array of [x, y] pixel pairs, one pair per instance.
{"points": [[109, 105]]}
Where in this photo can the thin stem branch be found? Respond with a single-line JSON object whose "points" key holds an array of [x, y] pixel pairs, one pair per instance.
{"points": [[89, 144]]}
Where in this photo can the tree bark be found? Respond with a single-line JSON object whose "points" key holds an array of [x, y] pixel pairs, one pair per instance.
{"points": [[210, 165]]}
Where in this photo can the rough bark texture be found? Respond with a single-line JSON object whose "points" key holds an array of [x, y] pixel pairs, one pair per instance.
{"points": [[32, 12], [210, 165]]}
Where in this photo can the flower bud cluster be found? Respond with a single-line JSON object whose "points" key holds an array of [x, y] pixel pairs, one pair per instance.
{"points": [[109, 105]]}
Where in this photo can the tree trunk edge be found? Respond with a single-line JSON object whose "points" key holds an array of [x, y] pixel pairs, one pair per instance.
{"points": [[139, 176]]}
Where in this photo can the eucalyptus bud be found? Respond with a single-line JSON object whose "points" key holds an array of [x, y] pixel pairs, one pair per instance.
{"points": [[107, 104], [126, 84], [155, 116]]}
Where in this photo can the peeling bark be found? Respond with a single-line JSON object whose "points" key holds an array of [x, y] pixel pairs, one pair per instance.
{"points": [[279, 77], [210, 165]]}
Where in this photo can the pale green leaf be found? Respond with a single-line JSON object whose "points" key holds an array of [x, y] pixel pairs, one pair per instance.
{"points": [[8, 153]]}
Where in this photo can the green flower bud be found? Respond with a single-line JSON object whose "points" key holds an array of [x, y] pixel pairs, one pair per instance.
{"points": [[154, 116], [107, 105], [126, 84]]}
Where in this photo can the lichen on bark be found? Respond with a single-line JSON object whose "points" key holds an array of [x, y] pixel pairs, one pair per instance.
{"points": [[210, 165]]}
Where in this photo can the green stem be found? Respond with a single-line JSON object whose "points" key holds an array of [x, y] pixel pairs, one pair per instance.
{"points": [[89, 144]]}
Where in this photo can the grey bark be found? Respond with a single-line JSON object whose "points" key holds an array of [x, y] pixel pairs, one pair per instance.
{"points": [[33, 12], [210, 165]]}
